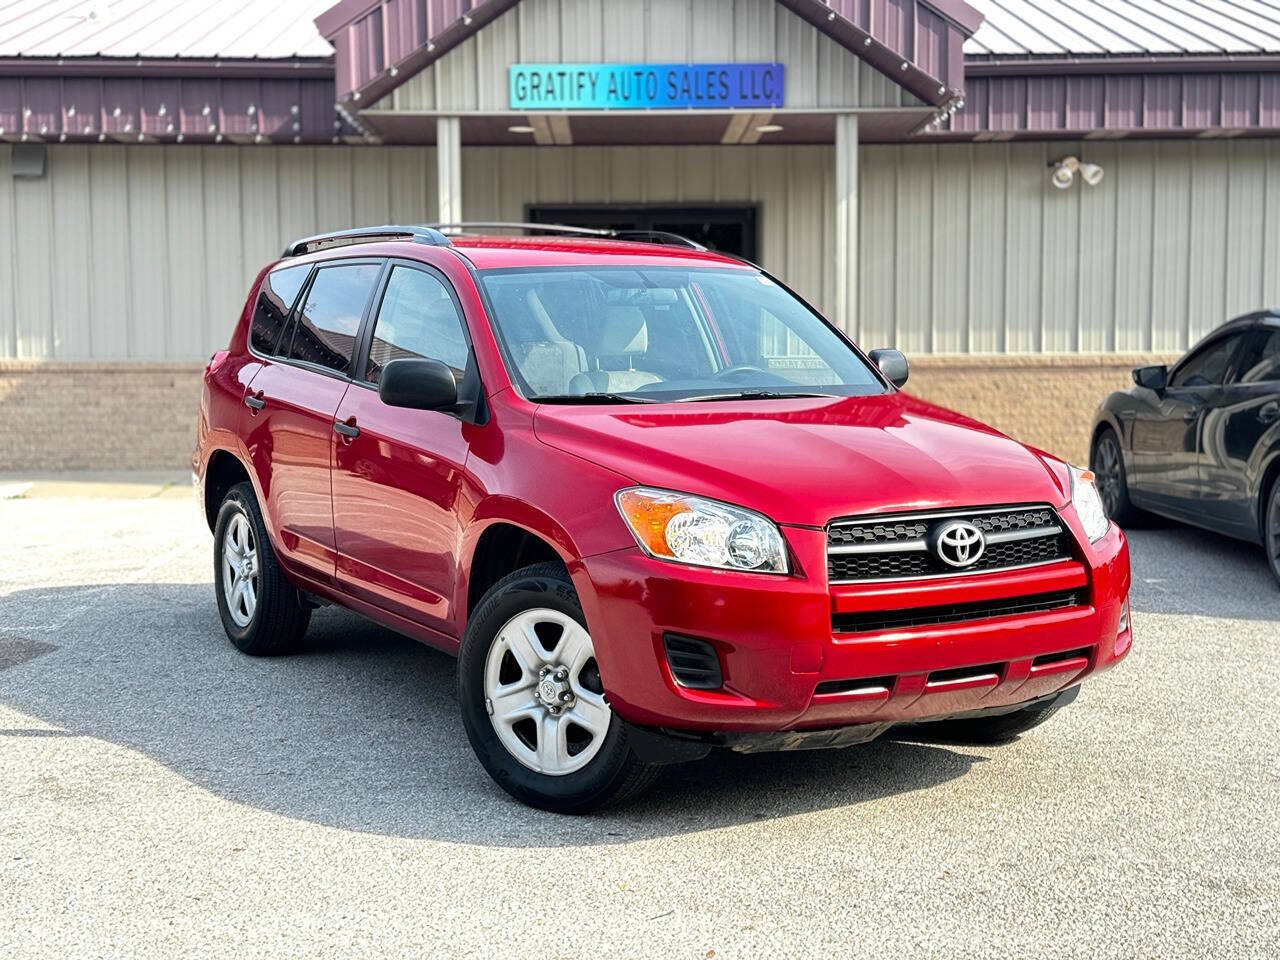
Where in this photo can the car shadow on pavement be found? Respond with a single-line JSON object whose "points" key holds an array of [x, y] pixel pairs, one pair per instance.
{"points": [[361, 730]]}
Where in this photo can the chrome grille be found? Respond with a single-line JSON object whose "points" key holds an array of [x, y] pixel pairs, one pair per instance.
{"points": [[899, 547]]}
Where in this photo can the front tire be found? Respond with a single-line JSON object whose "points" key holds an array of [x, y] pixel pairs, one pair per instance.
{"points": [[1271, 527], [261, 610], [991, 731], [532, 701], [1107, 464]]}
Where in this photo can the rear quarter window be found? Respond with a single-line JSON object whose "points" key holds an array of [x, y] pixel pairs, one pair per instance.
{"points": [[275, 299]]}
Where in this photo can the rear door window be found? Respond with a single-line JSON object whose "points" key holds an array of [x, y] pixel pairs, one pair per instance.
{"points": [[329, 321], [279, 291]]}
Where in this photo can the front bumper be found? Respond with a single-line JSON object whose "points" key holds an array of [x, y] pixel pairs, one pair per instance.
{"points": [[786, 668]]}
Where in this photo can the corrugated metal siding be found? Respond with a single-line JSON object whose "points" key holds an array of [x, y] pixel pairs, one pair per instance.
{"points": [[147, 252], [1179, 237], [795, 187], [473, 76]]}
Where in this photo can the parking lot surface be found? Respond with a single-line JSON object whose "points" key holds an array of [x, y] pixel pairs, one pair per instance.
{"points": [[163, 795]]}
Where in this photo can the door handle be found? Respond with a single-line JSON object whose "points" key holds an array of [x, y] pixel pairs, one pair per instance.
{"points": [[348, 430], [1269, 413], [255, 403]]}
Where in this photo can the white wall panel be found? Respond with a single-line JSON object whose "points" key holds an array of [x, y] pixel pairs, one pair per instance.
{"points": [[1179, 237], [147, 252]]}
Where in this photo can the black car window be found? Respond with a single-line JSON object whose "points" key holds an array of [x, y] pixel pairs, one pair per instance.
{"points": [[329, 321], [417, 318], [1207, 367], [279, 290], [1260, 361]]}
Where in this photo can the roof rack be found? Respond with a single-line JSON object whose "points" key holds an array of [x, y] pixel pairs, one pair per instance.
{"points": [[342, 238], [645, 236]]}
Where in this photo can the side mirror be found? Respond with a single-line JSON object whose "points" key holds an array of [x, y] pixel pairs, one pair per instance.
{"points": [[1153, 378], [418, 385], [893, 364]]}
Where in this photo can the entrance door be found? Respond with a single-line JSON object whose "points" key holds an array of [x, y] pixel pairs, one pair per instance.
{"points": [[724, 227]]}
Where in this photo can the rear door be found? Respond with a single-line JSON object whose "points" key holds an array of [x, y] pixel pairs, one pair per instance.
{"points": [[398, 473], [291, 403], [1242, 419], [1165, 468]]}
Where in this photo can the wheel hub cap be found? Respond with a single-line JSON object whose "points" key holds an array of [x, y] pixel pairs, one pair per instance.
{"points": [[543, 694]]}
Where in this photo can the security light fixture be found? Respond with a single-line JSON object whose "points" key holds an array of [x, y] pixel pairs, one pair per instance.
{"points": [[520, 128], [769, 128], [1065, 170]]}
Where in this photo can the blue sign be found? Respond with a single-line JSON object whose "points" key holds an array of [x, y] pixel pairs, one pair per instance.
{"points": [[646, 86]]}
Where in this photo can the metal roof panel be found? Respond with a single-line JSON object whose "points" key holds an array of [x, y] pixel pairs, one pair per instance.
{"points": [[162, 28], [1125, 27]]}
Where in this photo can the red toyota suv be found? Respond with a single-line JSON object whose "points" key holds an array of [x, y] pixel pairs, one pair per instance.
{"points": [[653, 501]]}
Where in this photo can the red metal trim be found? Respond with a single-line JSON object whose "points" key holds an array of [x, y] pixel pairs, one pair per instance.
{"points": [[1095, 66], [298, 69]]}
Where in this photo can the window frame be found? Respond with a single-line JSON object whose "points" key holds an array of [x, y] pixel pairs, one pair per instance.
{"points": [[1260, 334], [1202, 348], [521, 386], [364, 342], [291, 326], [287, 329]]}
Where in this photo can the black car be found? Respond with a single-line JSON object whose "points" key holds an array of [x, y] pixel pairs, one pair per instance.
{"points": [[1201, 442]]}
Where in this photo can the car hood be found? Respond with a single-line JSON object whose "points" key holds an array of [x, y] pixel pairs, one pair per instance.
{"points": [[806, 461]]}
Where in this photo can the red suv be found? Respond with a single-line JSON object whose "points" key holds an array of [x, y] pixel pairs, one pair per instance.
{"points": [[653, 501]]}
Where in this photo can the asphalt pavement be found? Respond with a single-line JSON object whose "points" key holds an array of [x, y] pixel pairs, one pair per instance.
{"points": [[163, 795]]}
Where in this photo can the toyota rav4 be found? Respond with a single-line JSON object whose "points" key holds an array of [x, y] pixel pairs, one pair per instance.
{"points": [[654, 502]]}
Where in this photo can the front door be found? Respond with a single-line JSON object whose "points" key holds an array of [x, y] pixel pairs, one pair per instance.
{"points": [[398, 473], [1166, 431], [1244, 412], [291, 403]]}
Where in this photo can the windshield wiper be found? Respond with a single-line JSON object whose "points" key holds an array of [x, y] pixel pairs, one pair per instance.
{"points": [[755, 395], [592, 398]]}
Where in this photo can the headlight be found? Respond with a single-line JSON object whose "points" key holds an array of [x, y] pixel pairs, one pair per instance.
{"points": [[706, 533], [1088, 504]]}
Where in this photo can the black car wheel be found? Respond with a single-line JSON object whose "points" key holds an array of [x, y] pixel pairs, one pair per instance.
{"points": [[1271, 528], [1107, 465]]}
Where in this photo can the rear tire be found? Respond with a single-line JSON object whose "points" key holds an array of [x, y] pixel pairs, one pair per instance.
{"points": [[532, 701], [261, 610], [989, 731], [1271, 527], [1107, 464]]}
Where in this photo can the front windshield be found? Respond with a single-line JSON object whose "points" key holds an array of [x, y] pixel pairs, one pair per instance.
{"points": [[638, 334]]}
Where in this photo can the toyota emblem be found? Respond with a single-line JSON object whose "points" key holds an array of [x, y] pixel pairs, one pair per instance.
{"points": [[959, 544]]}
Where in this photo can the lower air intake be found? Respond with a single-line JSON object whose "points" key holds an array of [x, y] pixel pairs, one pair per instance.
{"points": [[693, 663]]}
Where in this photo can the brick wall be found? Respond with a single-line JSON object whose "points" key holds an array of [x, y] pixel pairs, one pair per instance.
{"points": [[63, 416], [142, 416]]}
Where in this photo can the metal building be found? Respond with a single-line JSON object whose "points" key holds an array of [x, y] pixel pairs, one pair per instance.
{"points": [[894, 160]]}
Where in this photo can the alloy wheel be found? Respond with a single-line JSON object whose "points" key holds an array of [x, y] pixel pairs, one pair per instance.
{"points": [[240, 570], [543, 692], [1108, 470], [1273, 529]]}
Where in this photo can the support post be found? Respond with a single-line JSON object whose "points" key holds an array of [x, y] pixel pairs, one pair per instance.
{"points": [[846, 245], [449, 169]]}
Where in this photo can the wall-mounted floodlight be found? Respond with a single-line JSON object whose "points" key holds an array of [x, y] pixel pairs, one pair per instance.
{"points": [[1065, 170]]}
